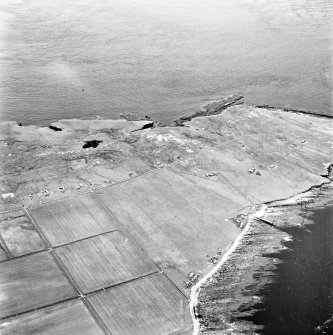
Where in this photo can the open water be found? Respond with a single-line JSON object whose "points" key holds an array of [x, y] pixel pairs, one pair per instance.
{"points": [[300, 299], [163, 58]]}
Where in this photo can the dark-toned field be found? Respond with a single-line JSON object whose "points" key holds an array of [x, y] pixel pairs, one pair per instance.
{"points": [[31, 282], [65, 318]]}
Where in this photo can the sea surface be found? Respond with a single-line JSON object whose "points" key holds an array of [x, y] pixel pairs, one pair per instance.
{"points": [[299, 301], [163, 58]]}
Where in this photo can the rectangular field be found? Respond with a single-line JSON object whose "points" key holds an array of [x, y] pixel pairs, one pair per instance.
{"points": [[70, 317], [72, 219], [30, 282], [147, 306], [103, 261], [177, 219], [19, 233]]}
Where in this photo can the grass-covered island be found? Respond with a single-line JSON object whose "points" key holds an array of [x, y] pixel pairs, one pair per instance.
{"points": [[129, 227]]}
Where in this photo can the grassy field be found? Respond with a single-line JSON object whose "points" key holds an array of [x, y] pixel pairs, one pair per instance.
{"points": [[72, 219], [19, 234], [103, 261], [31, 282], [148, 306], [70, 317], [176, 219]]}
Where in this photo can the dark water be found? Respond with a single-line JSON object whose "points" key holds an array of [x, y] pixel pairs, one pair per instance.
{"points": [[164, 58], [300, 300]]}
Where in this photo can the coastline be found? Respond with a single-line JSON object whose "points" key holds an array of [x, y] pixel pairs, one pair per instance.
{"points": [[191, 188], [252, 265], [195, 291]]}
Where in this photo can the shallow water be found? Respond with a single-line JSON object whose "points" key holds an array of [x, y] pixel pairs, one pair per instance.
{"points": [[300, 299], [65, 59]]}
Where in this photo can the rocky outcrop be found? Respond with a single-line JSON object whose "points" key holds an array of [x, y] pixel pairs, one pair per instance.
{"points": [[231, 296], [292, 110], [213, 108], [132, 117]]}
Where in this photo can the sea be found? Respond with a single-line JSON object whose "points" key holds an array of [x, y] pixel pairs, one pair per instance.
{"points": [[299, 300], [163, 58]]}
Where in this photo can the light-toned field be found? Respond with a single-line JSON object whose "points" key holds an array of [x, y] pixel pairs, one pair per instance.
{"points": [[176, 219], [149, 306], [110, 240], [72, 219], [103, 261]]}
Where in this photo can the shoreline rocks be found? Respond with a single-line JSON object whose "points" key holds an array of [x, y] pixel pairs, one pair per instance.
{"points": [[213, 108]]}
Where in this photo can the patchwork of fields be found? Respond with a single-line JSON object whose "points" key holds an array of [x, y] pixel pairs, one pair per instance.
{"points": [[111, 239], [112, 256], [74, 268]]}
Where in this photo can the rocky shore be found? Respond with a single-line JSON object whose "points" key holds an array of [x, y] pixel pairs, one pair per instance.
{"points": [[230, 298], [181, 194]]}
